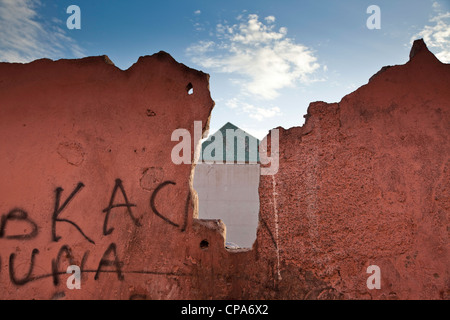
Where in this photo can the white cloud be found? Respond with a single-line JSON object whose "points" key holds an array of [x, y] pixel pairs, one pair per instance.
{"points": [[270, 19], [24, 38], [232, 103], [257, 113], [261, 113], [197, 12], [201, 47], [437, 35], [262, 59]]}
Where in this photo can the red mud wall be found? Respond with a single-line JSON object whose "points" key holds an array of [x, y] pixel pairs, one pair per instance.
{"points": [[365, 181], [86, 178]]}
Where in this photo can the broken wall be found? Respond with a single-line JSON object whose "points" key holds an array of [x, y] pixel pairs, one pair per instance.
{"points": [[365, 182], [229, 192], [86, 178]]}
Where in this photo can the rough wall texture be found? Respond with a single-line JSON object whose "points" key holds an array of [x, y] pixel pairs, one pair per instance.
{"points": [[86, 178], [366, 181], [77, 137]]}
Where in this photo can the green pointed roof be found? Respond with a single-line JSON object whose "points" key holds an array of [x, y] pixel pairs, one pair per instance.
{"points": [[241, 138]]}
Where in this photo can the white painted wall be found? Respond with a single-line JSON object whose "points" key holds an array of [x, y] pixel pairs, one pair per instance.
{"points": [[230, 192]]}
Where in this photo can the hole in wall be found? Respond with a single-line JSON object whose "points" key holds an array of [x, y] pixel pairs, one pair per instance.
{"points": [[190, 88], [204, 244], [150, 113]]}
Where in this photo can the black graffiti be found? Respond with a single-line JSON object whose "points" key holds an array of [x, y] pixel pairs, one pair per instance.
{"points": [[59, 209], [109, 263], [55, 273], [104, 262], [111, 206], [155, 211], [12, 273], [109, 259], [270, 232], [84, 259], [18, 215], [21, 215], [55, 263]]}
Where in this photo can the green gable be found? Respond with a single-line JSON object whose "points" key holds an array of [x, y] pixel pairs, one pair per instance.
{"points": [[231, 144]]}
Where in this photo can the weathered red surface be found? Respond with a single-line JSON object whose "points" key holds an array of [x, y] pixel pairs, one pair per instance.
{"points": [[85, 121], [365, 181]]}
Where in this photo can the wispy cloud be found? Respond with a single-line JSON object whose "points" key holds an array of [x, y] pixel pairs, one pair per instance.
{"points": [[262, 59], [25, 38], [437, 34], [257, 113]]}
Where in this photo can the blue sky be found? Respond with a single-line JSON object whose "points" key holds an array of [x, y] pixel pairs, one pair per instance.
{"points": [[267, 59]]}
